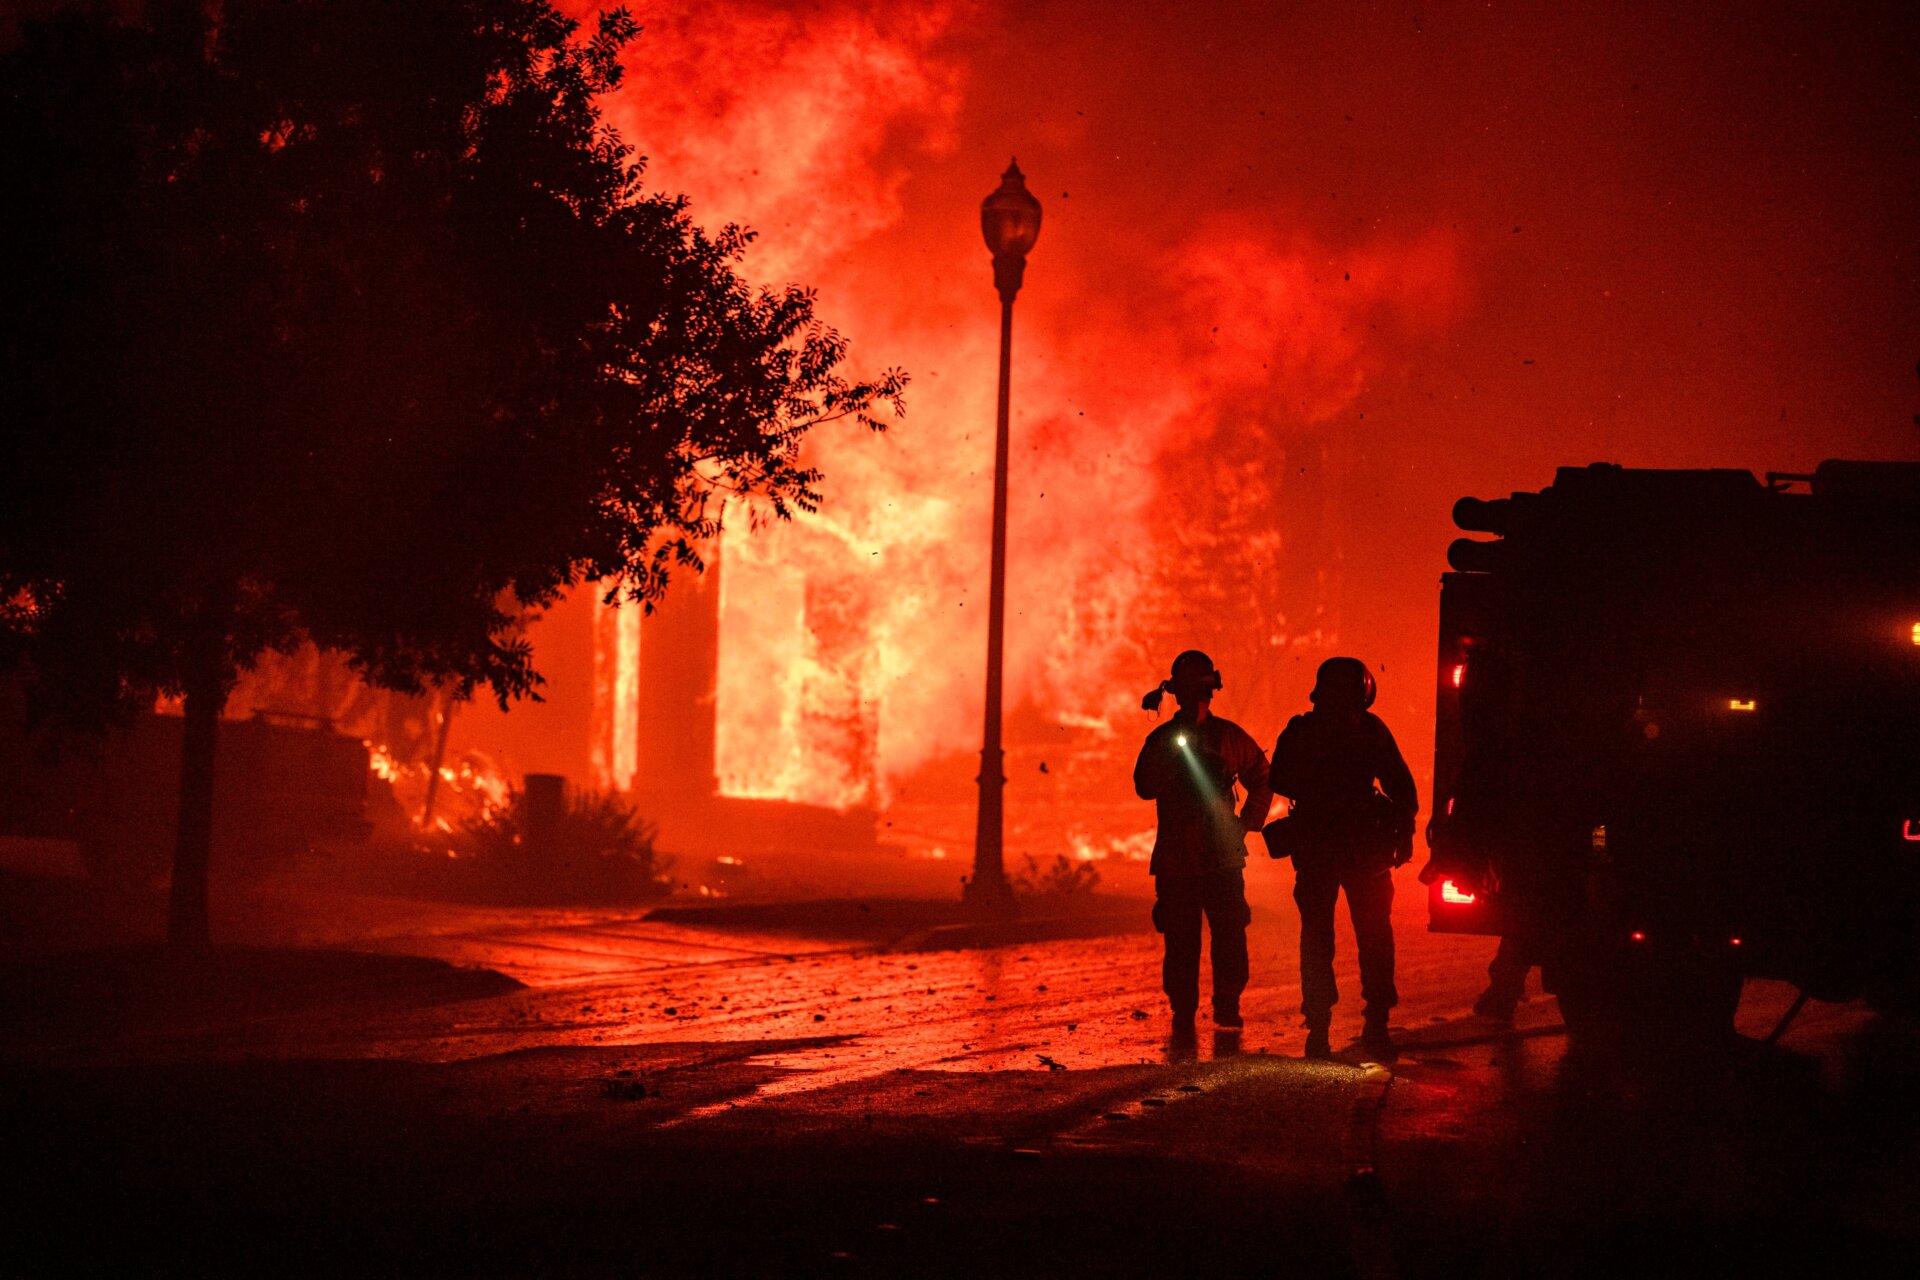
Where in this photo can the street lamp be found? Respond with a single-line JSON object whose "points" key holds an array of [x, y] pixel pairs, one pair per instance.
{"points": [[1010, 221]]}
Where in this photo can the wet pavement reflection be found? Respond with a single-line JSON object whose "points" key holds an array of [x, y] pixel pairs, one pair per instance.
{"points": [[1486, 1150]]}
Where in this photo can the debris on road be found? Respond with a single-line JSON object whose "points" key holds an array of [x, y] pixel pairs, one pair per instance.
{"points": [[627, 1090]]}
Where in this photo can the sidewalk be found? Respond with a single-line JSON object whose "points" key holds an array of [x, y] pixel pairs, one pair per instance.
{"points": [[119, 998]]}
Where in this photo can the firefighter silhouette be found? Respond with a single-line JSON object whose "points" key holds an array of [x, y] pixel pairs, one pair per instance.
{"points": [[1506, 979], [1188, 767], [1353, 803]]}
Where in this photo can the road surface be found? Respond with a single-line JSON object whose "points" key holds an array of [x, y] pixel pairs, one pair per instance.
{"points": [[674, 1099]]}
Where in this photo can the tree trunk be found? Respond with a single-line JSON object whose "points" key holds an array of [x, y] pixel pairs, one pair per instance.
{"points": [[187, 924]]}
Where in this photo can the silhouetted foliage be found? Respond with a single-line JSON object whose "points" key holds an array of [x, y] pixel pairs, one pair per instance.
{"points": [[599, 850], [1064, 877], [349, 322]]}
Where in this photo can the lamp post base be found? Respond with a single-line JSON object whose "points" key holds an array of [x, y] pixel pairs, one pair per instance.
{"points": [[989, 898]]}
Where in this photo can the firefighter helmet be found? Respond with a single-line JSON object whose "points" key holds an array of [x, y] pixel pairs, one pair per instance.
{"points": [[1194, 670], [1193, 674], [1343, 681]]}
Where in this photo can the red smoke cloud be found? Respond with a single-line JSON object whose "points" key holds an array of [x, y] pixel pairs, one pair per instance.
{"points": [[1304, 279], [808, 127], [1298, 323]]}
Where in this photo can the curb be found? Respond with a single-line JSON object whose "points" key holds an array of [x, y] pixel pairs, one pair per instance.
{"points": [[983, 935]]}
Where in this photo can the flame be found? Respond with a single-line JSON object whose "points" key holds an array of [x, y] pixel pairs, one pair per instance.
{"points": [[853, 639], [469, 787], [616, 683], [1137, 847], [381, 762]]}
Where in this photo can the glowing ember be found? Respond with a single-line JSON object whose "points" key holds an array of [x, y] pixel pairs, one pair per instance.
{"points": [[467, 788]]}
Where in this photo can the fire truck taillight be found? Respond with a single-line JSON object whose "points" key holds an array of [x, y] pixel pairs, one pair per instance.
{"points": [[1733, 942], [1460, 671], [1452, 893], [1911, 830], [1638, 935]]}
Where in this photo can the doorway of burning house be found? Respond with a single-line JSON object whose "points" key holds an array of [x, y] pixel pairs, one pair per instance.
{"points": [[658, 690]]}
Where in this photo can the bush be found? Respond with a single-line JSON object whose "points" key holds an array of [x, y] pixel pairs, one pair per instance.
{"points": [[1064, 878], [599, 851]]}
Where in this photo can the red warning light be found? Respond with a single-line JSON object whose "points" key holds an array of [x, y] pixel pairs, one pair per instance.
{"points": [[1911, 830], [1460, 672], [1453, 893], [1733, 942], [1638, 935]]}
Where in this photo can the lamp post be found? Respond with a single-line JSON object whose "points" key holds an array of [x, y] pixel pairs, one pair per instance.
{"points": [[1010, 221]]}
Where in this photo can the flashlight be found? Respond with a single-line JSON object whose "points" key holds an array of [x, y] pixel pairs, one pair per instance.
{"points": [[1180, 740]]}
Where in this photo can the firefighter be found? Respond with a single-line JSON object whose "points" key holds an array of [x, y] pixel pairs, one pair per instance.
{"points": [[1188, 767], [1354, 801], [1506, 979]]}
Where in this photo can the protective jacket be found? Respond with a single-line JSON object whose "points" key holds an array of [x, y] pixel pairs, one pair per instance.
{"points": [[1327, 763], [1192, 788]]}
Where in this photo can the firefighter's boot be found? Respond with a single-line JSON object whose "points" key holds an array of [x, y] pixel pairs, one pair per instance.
{"points": [[1319, 1046], [1376, 1041], [1494, 1004]]}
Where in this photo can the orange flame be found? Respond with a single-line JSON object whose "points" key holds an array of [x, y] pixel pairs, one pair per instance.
{"points": [[853, 640]]}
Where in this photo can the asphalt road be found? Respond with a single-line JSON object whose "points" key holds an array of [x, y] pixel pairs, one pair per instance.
{"points": [[672, 1099]]}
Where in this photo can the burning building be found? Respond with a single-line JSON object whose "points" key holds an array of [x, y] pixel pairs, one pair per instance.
{"points": [[656, 726], [1305, 280]]}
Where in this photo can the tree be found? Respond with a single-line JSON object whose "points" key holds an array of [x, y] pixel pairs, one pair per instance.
{"points": [[350, 323]]}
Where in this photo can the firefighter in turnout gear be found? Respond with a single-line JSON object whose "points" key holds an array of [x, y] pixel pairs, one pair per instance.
{"points": [[1188, 768], [1351, 817]]}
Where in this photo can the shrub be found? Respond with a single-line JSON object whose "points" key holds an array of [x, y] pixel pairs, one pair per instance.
{"points": [[600, 850], [1065, 877]]}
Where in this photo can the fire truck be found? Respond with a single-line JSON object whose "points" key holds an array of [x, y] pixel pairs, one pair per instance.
{"points": [[1678, 737]]}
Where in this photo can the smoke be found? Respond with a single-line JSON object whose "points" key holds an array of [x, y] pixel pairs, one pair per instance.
{"points": [[1298, 323], [853, 641], [804, 125], [800, 123], [1305, 277]]}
